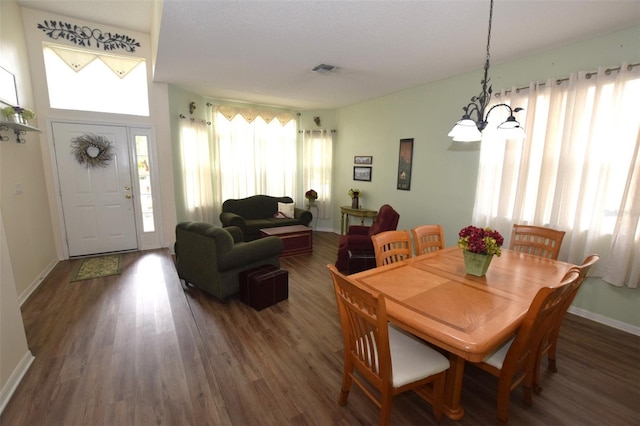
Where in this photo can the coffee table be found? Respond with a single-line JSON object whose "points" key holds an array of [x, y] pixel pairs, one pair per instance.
{"points": [[297, 239]]}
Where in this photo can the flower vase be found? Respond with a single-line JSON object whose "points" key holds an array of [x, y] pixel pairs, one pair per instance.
{"points": [[476, 263], [355, 203], [16, 118]]}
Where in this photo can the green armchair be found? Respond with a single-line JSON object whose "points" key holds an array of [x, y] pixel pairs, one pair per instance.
{"points": [[211, 258]]}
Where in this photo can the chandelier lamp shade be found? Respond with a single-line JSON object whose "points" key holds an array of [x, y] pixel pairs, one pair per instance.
{"points": [[474, 120]]}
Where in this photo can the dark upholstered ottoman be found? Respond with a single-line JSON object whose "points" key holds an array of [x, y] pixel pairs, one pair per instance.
{"points": [[360, 261], [263, 286]]}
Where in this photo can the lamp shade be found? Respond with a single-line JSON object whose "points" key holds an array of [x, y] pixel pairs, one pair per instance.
{"points": [[511, 129], [465, 130]]}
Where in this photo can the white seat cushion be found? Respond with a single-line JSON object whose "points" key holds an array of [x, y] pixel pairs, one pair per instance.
{"points": [[496, 359], [412, 359]]}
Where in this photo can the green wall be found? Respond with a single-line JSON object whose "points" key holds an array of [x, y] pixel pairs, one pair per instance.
{"points": [[444, 173]]}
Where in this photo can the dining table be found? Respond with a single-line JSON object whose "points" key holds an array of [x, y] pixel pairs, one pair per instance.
{"points": [[432, 297]]}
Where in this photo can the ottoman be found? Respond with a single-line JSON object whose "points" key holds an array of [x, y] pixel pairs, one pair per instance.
{"points": [[263, 286]]}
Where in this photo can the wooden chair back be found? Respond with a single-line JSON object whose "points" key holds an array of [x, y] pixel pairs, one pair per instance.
{"points": [[549, 345], [364, 328], [514, 367], [368, 348], [427, 238], [391, 246], [536, 240]]}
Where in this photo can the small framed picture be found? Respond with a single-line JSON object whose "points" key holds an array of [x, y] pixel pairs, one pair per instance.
{"points": [[8, 92], [363, 159], [362, 173], [405, 162]]}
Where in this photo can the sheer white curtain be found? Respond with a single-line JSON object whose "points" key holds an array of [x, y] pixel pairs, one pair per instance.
{"points": [[317, 153], [577, 169], [254, 157], [196, 173]]}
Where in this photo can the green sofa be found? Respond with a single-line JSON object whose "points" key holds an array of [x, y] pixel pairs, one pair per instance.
{"points": [[211, 258], [253, 213]]}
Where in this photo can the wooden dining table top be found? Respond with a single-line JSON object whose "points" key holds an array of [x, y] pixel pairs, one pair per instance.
{"points": [[432, 297]]}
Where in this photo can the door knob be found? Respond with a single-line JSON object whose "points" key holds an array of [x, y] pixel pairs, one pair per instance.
{"points": [[127, 188], [128, 196]]}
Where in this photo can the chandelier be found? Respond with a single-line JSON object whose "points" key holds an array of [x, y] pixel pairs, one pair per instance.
{"points": [[468, 130]]}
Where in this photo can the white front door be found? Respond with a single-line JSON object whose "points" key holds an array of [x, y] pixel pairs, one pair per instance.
{"points": [[97, 202]]}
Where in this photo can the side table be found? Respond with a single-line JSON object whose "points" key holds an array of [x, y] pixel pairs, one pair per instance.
{"points": [[347, 211]]}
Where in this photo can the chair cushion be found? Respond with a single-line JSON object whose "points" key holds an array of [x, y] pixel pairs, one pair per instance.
{"points": [[496, 359], [412, 359]]}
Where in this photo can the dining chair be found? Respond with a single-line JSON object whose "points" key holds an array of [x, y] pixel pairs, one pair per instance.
{"points": [[391, 246], [513, 361], [427, 238], [536, 240], [549, 345], [389, 359]]}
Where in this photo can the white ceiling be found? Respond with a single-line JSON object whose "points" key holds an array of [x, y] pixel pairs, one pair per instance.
{"points": [[263, 51]]}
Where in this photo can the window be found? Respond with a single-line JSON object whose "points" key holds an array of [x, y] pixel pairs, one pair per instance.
{"points": [[144, 176], [245, 153], [317, 150], [197, 172], [578, 169], [86, 80], [255, 157]]}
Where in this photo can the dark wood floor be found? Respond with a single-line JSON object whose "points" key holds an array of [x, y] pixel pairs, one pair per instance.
{"points": [[138, 349]]}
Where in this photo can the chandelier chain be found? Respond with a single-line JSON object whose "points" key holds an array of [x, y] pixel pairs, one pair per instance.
{"points": [[489, 34]]}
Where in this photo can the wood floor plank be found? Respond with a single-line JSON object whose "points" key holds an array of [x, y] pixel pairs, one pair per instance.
{"points": [[140, 348]]}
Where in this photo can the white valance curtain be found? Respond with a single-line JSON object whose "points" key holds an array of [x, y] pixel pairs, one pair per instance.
{"points": [[317, 153], [250, 114], [77, 59], [578, 169]]}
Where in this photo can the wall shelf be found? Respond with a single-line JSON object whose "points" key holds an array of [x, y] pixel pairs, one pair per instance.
{"points": [[18, 128]]}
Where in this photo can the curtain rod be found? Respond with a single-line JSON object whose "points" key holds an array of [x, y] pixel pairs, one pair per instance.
{"points": [[561, 80], [319, 130], [183, 117]]}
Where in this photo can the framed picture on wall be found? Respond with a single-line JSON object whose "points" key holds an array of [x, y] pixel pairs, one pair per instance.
{"points": [[362, 173], [8, 92], [405, 162], [363, 159]]}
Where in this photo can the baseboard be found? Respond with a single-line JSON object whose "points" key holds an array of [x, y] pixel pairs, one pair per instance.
{"points": [[324, 230], [35, 284], [619, 325], [14, 380]]}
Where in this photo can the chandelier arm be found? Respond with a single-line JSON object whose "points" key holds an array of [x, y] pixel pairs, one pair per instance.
{"points": [[511, 111]]}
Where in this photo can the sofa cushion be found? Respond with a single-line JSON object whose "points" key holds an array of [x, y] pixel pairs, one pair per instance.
{"points": [[287, 209]]}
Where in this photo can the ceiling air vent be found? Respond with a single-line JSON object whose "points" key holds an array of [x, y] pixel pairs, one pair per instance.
{"points": [[324, 68]]}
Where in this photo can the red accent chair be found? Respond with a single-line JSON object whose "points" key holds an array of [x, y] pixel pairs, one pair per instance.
{"points": [[358, 238]]}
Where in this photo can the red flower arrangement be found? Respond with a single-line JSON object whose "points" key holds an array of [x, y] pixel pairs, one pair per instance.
{"points": [[481, 241], [311, 195]]}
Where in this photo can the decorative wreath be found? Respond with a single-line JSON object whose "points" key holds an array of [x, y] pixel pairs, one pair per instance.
{"points": [[92, 150]]}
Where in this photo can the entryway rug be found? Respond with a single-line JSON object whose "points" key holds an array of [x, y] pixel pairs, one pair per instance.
{"points": [[96, 267]]}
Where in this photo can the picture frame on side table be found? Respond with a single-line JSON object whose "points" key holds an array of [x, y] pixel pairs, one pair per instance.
{"points": [[362, 173], [405, 162]]}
